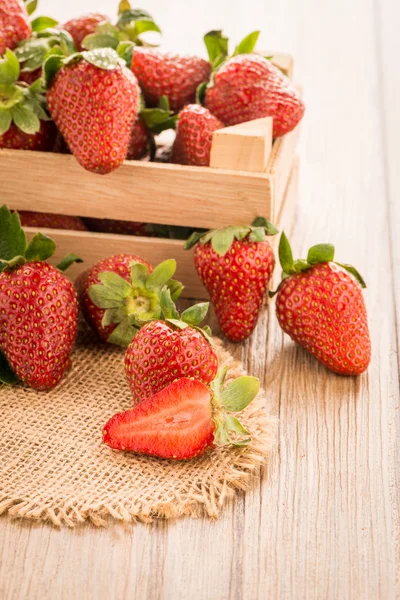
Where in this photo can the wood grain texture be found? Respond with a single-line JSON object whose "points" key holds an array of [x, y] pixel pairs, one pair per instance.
{"points": [[324, 523], [244, 147]]}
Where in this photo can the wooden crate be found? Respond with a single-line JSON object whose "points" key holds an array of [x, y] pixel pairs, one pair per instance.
{"points": [[248, 177]]}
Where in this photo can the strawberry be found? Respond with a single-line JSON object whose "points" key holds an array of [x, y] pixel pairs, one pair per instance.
{"points": [[93, 99], [321, 306], [169, 348], [39, 309], [121, 292], [24, 122], [184, 419], [235, 265], [194, 135], [14, 24], [139, 141], [249, 86], [50, 221], [174, 76], [82, 26]]}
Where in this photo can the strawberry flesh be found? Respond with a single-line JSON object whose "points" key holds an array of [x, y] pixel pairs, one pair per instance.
{"points": [[176, 423]]}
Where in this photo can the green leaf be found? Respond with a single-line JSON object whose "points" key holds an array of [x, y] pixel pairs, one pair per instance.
{"points": [[66, 43], [143, 25], [7, 375], [201, 93], [103, 58], [123, 334], [353, 272], [167, 305], [222, 240], [193, 239], [120, 287], [12, 236], [268, 226], [125, 51], [124, 5], [158, 119], [5, 121], [131, 15], [31, 6], [36, 60], [114, 315], [177, 323], [285, 254], [216, 44], [233, 424], [321, 253], [239, 393], [95, 40], [161, 274], [221, 436], [257, 234], [10, 95], [26, 118], [51, 67], [67, 261], [41, 23], [9, 68], [248, 44], [139, 274], [40, 247], [195, 314], [207, 330], [175, 289]]}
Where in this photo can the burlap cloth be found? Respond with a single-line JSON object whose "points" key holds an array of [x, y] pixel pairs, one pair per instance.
{"points": [[54, 466]]}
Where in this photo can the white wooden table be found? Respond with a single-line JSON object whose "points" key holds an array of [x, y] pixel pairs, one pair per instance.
{"points": [[325, 523]]}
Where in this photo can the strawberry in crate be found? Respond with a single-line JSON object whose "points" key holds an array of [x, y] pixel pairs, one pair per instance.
{"points": [[39, 308], [24, 121]]}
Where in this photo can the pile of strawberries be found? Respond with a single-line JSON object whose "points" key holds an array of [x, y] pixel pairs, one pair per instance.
{"points": [[96, 88], [181, 403]]}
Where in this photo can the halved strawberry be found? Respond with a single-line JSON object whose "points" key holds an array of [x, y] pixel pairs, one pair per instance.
{"points": [[184, 419]]}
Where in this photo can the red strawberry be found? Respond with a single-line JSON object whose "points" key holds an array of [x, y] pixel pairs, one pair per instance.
{"points": [[165, 350], [194, 135], [39, 309], [82, 26], [24, 122], [30, 77], [119, 292], [248, 87], [14, 24], [235, 265], [184, 419], [139, 141], [171, 75], [93, 99], [42, 140], [50, 221], [321, 306], [117, 227]]}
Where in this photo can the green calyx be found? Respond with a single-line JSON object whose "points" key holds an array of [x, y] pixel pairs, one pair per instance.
{"points": [[321, 253], [102, 58], [23, 105], [131, 304], [232, 398], [45, 42], [159, 119], [218, 47], [222, 239], [191, 317], [14, 249], [129, 30]]}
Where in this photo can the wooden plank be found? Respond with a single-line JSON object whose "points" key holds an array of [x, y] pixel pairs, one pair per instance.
{"points": [[137, 191], [92, 247], [243, 147]]}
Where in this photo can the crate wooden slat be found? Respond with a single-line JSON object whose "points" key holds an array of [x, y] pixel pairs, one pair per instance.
{"points": [[93, 246]]}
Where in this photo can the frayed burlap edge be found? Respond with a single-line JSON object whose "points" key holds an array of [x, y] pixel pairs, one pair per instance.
{"points": [[239, 471]]}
